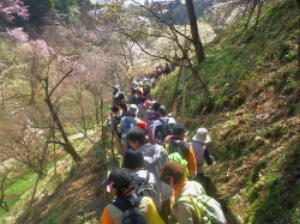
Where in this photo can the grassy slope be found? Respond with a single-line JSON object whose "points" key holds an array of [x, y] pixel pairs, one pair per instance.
{"points": [[253, 115]]}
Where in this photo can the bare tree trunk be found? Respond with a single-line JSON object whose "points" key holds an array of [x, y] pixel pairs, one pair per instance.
{"points": [[194, 30], [197, 76], [102, 118], [251, 13], [175, 89], [183, 105], [68, 147], [3, 203], [96, 103], [260, 4], [34, 191], [54, 150], [298, 72], [2, 95]]}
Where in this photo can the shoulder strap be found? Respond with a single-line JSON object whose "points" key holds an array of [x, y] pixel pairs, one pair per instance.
{"points": [[161, 121], [198, 212]]}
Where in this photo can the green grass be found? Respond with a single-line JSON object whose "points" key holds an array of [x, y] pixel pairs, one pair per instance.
{"points": [[238, 55], [17, 187], [239, 66], [279, 196]]}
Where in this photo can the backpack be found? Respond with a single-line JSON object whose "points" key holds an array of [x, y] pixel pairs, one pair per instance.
{"points": [[131, 214], [162, 131], [178, 153], [128, 124], [154, 162], [206, 209], [144, 188]]}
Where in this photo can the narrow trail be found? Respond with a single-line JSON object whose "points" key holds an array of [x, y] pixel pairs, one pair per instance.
{"points": [[114, 160]]}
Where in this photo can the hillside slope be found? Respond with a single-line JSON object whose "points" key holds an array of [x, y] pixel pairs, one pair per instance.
{"points": [[253, 114]]}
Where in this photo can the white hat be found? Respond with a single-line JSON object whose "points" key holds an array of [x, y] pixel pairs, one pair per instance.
{"points": [[133, 109], [202, 136]]}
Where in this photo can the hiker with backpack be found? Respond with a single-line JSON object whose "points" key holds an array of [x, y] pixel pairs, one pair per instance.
{"points": [[191, 204], [155, 156], [147, 184], [119, 98], [114, 123], [163, 126], [142, 109], [181, 151], [199, 142], [128, 207], [128, 122]]}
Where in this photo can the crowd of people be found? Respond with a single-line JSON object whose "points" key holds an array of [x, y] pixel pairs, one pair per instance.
{"points": [[161, 179]]}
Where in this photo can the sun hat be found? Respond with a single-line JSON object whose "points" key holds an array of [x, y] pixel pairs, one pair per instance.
{"points": [[133, 159], [121, 180], [133, 109], [172, 171], [201, 136]]}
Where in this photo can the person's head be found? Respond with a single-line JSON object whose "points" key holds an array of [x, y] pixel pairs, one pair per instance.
{"points": [[123, 107], [115, 109], [162, 111], [155, 106], [133, 159], [147, 104], [172, 174], [202, 136], [120, 96], [179, 131], [116, 89], [136, 137], [120, 182], [139, 91], [142, 100], [133, 110]]}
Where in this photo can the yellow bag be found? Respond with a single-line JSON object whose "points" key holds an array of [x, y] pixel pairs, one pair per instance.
{"points": [[152, 216]]}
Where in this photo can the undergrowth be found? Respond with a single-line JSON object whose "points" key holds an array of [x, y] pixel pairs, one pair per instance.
{"points": [[252, 114]]}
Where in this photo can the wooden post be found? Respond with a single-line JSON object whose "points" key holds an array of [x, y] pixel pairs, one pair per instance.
{"points": [[184, 81]]}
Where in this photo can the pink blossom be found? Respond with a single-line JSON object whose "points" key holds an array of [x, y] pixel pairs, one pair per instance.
{"points": [[42, 48], [11, 8], [18, 34]]}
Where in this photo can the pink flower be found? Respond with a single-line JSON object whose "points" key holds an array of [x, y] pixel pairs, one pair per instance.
{"points": [[42, 48], [18, 34], [11, 8]]}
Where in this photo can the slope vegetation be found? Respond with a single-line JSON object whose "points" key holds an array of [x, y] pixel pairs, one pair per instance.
{"points": [[253, 114]]}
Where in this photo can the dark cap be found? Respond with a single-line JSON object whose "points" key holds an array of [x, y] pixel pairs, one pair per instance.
{"points": [[155, 106], [162, 110], [179, 129], [121, 180], [136, 135], [172, 170], [133, 159]]}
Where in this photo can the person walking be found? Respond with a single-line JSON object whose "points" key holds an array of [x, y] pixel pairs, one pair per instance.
{"points": [[181, 151], [147, 182], [191, 204], [202, 154], [127, 205], [127, 122]]}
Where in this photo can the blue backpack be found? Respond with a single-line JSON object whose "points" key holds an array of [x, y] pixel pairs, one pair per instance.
{"points": [[128, 124]]}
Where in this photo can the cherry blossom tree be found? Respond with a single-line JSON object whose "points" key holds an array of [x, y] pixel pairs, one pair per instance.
{"points": [[9, 9]]}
